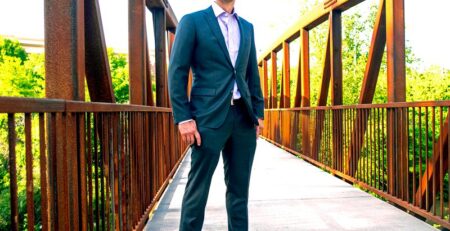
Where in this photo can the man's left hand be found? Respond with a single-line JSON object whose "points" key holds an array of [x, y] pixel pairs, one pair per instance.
{"points": [[259, 128]]}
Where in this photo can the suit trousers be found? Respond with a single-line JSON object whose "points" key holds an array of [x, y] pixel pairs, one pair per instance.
{"points": [[236, 139]]}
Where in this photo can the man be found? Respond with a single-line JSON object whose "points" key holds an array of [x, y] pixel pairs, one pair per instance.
{"points": [[225, 110]]}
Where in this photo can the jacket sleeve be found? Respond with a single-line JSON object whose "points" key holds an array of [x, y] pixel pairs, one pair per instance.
{"points": [[179, 65], [254, 81]]}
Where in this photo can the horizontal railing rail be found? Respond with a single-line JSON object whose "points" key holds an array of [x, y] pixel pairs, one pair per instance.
{"points": [[443, 103], [112, 166], [414, 177]]}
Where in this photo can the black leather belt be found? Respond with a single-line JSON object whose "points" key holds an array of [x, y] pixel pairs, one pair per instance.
{"points": [[236, 101]]}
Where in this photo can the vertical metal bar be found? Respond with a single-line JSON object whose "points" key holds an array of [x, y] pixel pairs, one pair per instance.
{"points": [[106, 167], [426, 160], [399, 157], [380, 152], [433, 138], [29, 172], [414, 188], [101, 160], [96, 136], [89, 138], [43, 173], [82, 171], [420, 157], [128, 172], [116, 177], [13, 172], [52, 192], [62, 172], [372, 147], [448, 158], [367, 150], [441, 163], [406, 123]]}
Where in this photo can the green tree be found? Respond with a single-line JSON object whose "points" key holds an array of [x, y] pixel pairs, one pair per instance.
{"points": [[119, 74]]}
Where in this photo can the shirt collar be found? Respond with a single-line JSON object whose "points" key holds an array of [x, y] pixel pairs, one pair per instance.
{"points": [[219, 11]]}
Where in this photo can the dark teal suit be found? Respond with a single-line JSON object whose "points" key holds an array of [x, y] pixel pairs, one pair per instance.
{"points": [[199, 44]]}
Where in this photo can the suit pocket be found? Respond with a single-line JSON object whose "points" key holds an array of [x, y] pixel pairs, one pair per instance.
{"points": [[203, 91]]}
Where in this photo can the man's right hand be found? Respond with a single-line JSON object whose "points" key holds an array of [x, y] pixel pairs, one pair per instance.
{"points": [[189, 133]]}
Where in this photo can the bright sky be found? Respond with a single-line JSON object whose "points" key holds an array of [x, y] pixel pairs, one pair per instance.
{"points": [[426, 21]]}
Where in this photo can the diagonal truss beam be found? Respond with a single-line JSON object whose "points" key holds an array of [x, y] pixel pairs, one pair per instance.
{"points": [[371, 73], [98, 74]]}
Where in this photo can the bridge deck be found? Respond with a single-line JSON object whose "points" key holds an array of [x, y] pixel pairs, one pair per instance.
{"points": [[288, 194]]}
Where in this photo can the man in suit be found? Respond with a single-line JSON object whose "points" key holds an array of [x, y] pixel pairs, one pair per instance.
{"points": [[225, 110]]}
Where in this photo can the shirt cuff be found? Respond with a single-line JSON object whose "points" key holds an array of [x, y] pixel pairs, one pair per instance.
{"points": [[185, 121]]}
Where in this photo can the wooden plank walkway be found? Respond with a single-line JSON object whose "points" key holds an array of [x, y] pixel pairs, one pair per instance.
{"points": [[287, 193]]}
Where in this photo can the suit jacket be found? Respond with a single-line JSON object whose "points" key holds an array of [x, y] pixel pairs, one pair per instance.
{"points": [[199, 44]]}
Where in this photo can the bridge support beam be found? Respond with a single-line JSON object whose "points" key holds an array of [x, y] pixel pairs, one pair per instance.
{"points": [[65, 70], [274, 86], [136, 53], [336, 86], [306, 95], [265, 84], [396, 119], [286, 96], [159, 25], [98, 74]]}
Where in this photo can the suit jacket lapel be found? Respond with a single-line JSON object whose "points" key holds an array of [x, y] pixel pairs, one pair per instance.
{"points": [[241, 43], [215, 28]]}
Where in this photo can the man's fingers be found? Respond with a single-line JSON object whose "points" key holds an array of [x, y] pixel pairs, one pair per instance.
{"points": [[189, 138], [198, 138]]}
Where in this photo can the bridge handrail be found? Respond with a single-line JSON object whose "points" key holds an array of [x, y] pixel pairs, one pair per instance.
{"points": [[439, 103], [34, 105]]}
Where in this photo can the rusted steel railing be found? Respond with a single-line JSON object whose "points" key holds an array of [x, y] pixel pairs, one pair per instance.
{"points": [[415, 179], [108, 178], [397, 150]]}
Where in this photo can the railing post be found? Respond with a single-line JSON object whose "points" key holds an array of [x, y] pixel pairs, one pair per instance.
{"points": [[285, 115], [396, 120], [304, 59], [336, 87], [65, 71]]}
